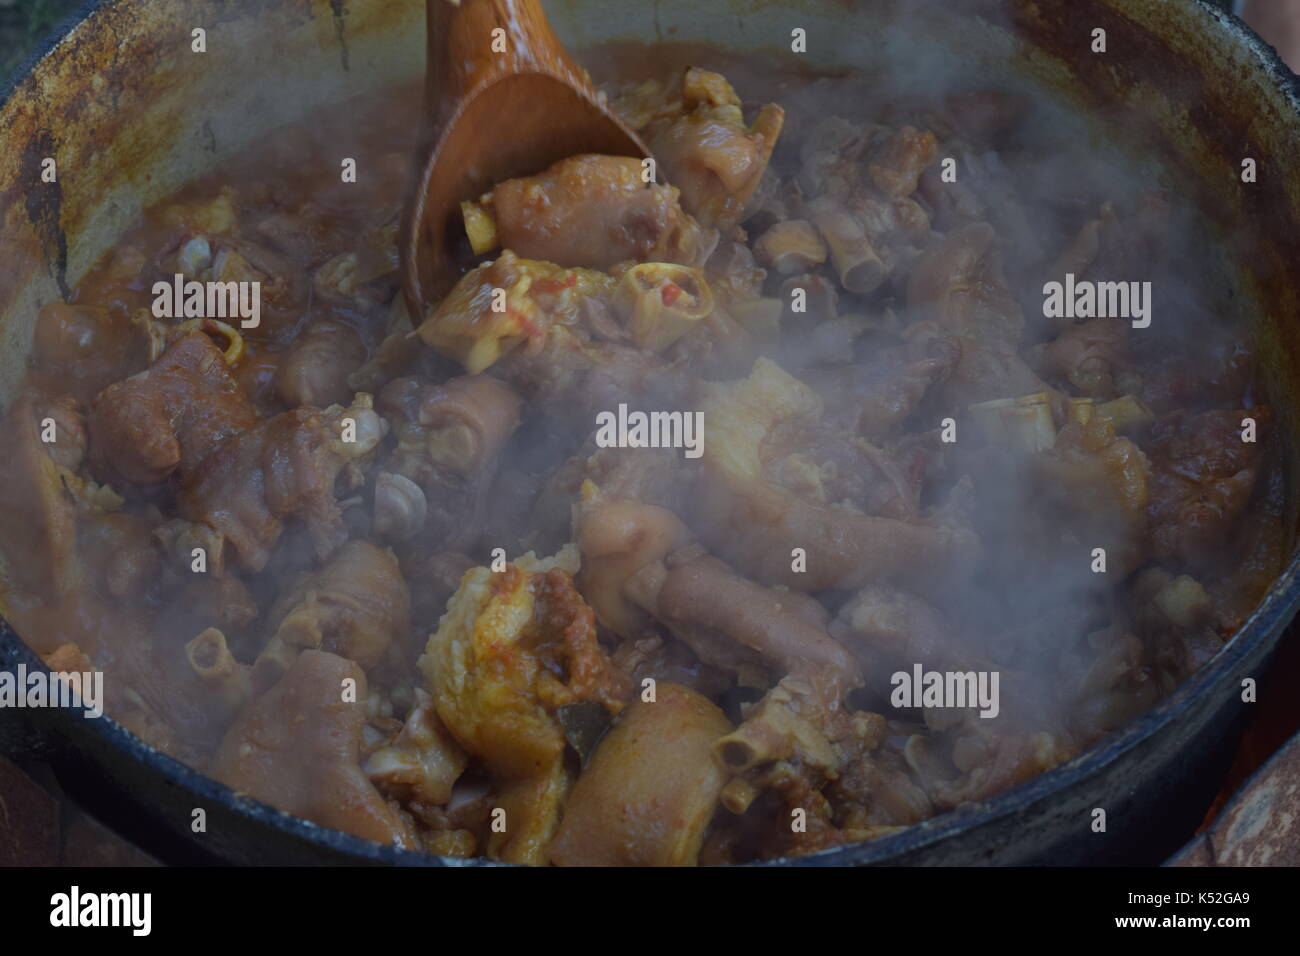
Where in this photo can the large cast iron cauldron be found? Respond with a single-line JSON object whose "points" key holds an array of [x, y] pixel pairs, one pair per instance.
{"points": [[131, 113]]}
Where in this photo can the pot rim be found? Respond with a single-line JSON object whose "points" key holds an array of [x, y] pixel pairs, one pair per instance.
{"points": [[1272, 614], [9, 84]]}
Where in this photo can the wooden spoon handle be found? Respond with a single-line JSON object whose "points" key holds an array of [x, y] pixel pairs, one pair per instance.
{"points": [[474, 43]]}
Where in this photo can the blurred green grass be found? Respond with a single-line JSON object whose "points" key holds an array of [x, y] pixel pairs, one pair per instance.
{"points": [[24, 23]]}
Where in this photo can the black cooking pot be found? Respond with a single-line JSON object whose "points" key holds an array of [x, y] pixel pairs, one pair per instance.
{"points": [[131, 113]]}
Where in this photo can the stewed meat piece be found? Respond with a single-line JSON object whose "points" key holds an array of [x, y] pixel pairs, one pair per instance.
{"points": [[298, 748], [171, 416]]}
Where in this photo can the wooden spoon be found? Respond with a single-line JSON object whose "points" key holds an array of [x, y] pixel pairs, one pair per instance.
{"points": [[492, 114]]}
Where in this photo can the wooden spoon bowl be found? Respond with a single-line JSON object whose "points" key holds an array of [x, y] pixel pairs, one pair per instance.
{"points": [[502, 99]]}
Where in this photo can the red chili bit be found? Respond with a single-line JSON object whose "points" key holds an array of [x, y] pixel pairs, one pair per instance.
{"points": [[554, 285], [671, 293], [526, 324]]}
